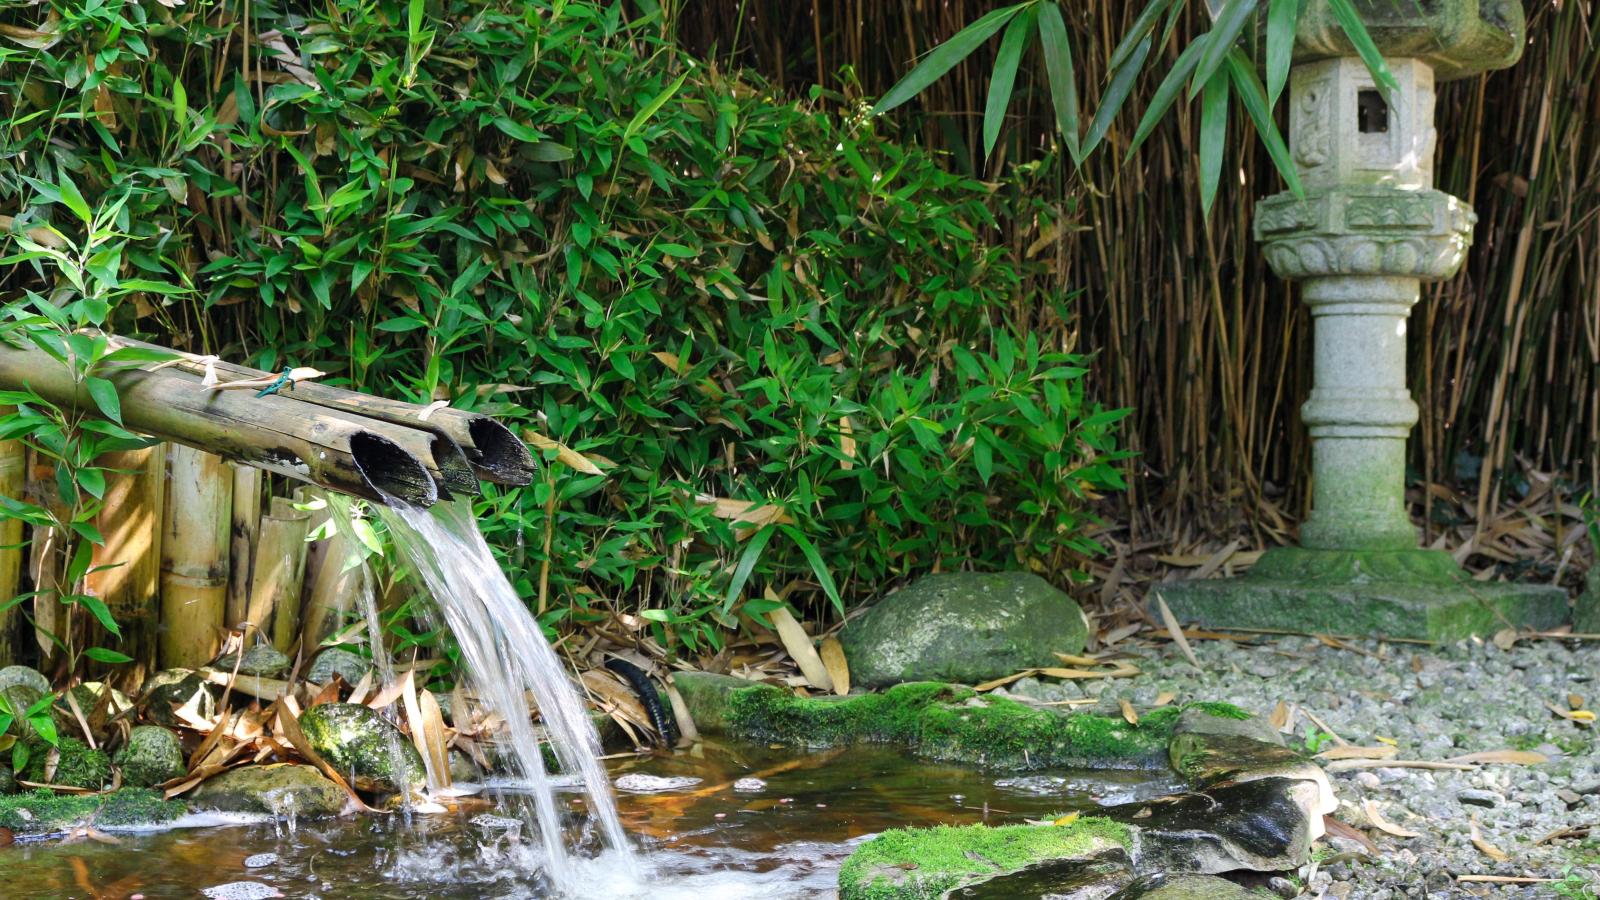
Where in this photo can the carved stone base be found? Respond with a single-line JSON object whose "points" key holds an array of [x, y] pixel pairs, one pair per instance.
{"points": [[1365, 231]]}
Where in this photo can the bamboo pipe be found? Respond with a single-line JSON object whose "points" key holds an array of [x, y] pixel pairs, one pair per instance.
{"points": [[13, 478], [130, 522], [279, 572], [246, 521], [493, 451], [194, 556], [341, 451]]}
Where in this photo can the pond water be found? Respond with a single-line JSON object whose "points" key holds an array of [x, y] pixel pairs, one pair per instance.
{"points": [[715, 840]]}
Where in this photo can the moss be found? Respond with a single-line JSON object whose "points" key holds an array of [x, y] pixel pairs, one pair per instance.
{"points": [[78, 766], [942, 857], [1221, 710], [45, 811], [935, 721], [134, 807]]}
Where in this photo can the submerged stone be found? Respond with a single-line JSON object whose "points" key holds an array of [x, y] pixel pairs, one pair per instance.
{"points": [[916, 863], [75, 766], [12, 675], [934, 721], [351, 667], [1263, 825], [261, 661], [964, 628], [1058, 879], [654, 784], [356, 741], [282, 790], [152, 755], [242, 890]]}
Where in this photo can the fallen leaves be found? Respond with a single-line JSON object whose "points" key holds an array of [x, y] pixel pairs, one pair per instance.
{"points": [[798, 643], [1502, 757], [1580, 716], [1339, 829], [1344, 765], [1384, 825], [1128, 712], [1353, 752], [1280, 716], [832, 653], [1486, 848], [1176, 631]]}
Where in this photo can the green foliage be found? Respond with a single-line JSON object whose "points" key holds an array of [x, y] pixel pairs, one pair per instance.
{"points": [[545, 211], [76, 765], [38, 718]]}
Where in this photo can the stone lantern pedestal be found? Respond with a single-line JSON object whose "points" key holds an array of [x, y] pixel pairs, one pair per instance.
{"points": [[1370, 230]]}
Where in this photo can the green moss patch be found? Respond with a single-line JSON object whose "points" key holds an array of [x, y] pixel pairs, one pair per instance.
{"points": [[45, 812], [76, 765], [937, 721], [914, 863]]}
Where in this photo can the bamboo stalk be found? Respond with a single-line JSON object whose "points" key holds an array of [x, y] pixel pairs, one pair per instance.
{"points": [[280, 565], [194, 556], [246, 523], [333, 591], [13, 479], [130, 522]]}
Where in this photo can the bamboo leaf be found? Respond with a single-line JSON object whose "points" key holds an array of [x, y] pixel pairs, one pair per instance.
{"points": [[1356, 30], [1142, 26], [1005, 77], [1170, 88], [105, 397], [1219, 41], [1116, 94], [747, 564], [1213, 137], [74, 200], [818, 567], [1280, 46], [944, 57], [1063, 81], [1254, 98], [650, 109]]}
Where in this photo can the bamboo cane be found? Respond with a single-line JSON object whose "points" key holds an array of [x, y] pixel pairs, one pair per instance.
{"points": [[13, 477], [130, 522], [244, 536], [279, 571], [47, 561], [334, 591], [194, 556]]}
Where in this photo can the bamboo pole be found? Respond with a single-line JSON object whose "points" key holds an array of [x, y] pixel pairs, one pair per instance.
{"points": [[334, 591], [130, 522], [44, 562], [13, 478], [194, 556], [245, 527], [280, 566]]}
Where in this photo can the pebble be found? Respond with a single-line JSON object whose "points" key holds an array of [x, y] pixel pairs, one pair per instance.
{"points": [[1480, 797], [242, 890], [488, 820], [260, 860], [654, 784], [749, 785]]}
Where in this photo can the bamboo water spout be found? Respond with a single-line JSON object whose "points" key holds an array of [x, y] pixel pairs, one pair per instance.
{"points": [[402, 452]]}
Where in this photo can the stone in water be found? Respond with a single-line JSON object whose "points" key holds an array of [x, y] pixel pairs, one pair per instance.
{"points": [[653, 784], [490, 821], [750, 785], [242, 890], [260, 860]]}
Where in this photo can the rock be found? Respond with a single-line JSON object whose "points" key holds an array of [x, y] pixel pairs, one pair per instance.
{"points": [[152, 755], [951, 861], [76, 765], [707, 697], [260, 860], [1216, 718], [963, 628], [302, 790], [355, 739], [137, 809], [749, 785], [242, 890], [88, 696], [172, 689], [350, 666], [11, 675], [1206, 759], [1283, 887], [462, 768], [1264, 825], [8, 782], [262, 661], [1586, 614], [1184, 887], [654, 784], [1480, 797]]}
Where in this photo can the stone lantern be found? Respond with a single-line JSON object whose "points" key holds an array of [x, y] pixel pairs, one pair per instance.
{"points": [[1370, 230]]}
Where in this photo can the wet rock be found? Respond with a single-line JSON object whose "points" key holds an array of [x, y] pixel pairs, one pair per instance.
{"points": [[1264, 825], [1206, 759], [1183, 887], [242, 890], [462, 768], [75, 765], [302, 790], [356, 741], [87, 696], [137, 809], [152, 755], [13, 675], [1067, 879], [707, 695], [260, 860], [351, 667], [654, 784], [1480, 797], [1283, 887], [262, 661], [173, 689], [963, 628], [1214, 718], [749, 785], [8, 782], [1586, 614]]}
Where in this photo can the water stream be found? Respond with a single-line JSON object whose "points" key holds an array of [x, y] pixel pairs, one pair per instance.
{"points": [[507, 660]]}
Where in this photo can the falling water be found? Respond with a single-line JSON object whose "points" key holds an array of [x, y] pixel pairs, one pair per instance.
{"points": [[506, 655]]}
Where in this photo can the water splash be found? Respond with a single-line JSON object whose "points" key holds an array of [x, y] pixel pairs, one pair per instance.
{"points": [[506, 658]]}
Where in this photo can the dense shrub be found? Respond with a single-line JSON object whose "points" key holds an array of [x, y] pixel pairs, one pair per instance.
{"points": [[770, 332]]}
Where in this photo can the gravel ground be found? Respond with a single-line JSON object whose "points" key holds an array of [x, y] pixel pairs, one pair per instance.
{"points": [[1435, 704]]}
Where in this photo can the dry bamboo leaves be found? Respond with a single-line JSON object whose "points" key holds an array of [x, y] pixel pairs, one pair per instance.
{"points": [[1280, 716], [798, 643], [1384, 825], [1486, 848], [1176, 631], [1344, 765], [1128, 712], [1579, 716], [680, 712], [1118, 670], [1382, 751], [838, 667], [1502, 757]]}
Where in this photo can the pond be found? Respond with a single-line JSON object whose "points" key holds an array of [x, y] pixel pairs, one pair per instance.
{"points": [[720, 838]]}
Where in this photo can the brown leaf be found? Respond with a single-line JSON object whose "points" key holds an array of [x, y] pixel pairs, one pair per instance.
{"points": [[1087, 662], [433, 746], [1128, 712], [1175, 631], [564, 454], [1339, 829], [1502, 757], [832, 653], [1575, 701], [1382, 751], [1002, 682], [798, 643], [1505, 638], [290, 724], [1384, 825], [1488, 849], [1164, 698], [1280, 716], [755, 512]]}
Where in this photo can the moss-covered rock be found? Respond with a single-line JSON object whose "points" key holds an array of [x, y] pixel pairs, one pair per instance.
{"points": [[8, 782], [1227, 719], [46, 812], [171, 689], [261, 661], [87, 696], [11, 675], [76, 765], [276, 790], [917, 863], [964, 628], [152, 755], [333, 661], [357, 741], [1586, 614], [134, 808], [937, 721]]}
